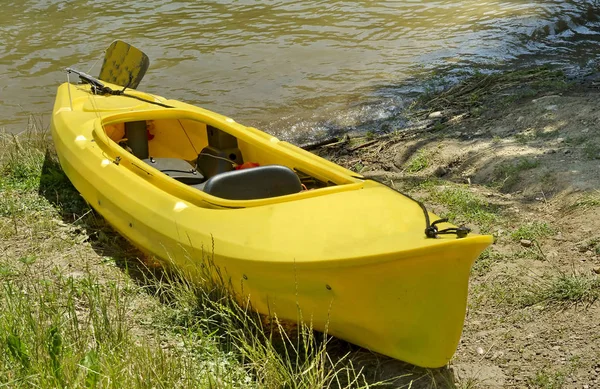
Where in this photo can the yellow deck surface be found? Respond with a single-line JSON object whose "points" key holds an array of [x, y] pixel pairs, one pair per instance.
{"points": [[352, 256]]}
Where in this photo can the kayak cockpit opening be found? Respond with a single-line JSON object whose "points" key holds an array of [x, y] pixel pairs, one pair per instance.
{"points": [[214, 161]]}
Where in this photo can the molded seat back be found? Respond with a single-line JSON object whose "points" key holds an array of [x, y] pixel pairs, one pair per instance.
{"points": [[254, 183]]}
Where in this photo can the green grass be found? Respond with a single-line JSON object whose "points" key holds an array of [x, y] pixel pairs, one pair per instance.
{"points": [[558, 290], [565, 288], [553, 377], [533, 230], [486, 261], [588, 201], [418, 162], [72, 318], [548, 379], [505, 291], [507, 175], [463, 205], [591, 150], [64, 332]]}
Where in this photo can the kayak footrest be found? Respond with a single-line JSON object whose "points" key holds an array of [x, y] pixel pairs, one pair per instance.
{"points": [[178, 169]]}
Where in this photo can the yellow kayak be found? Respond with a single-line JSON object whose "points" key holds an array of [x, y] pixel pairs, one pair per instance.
{"points": [[290, 230]]}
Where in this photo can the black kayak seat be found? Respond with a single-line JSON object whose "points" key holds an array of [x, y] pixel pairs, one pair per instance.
{"points": [[253, 183], [178, 169]]}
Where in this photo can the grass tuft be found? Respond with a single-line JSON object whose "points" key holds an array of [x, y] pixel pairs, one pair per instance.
{"points": [[418, 162], [486, 261], [565, 288], [507, 175], [532, 231], [464, 205], [589, 200]]}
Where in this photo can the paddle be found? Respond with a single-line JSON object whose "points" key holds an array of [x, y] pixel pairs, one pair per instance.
{"points": [[124, 65]]}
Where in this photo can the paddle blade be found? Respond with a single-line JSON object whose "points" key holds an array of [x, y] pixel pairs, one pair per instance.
{"points": [[124, 65]]}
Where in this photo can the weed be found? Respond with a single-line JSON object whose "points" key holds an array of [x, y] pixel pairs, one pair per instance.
{"points": [[485, 261], [565, 288], [507, 291], [470, 383], [418, 162], [548, 380], [591, 150], [548, 179], [507, 174], [533, 230], [576, 141], [554, 378], [525, 137], [439, 126], [465, 206], [589, 200], [534, 253]]}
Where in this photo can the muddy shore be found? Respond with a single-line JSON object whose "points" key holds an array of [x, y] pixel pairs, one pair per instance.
{"points": [[517, 156]]}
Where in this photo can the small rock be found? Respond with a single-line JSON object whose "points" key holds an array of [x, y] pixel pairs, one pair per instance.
{"points": [[552, 107], [589, 253], [480, 351], [436, 115], [526, 243], [586, 386], [497, 354], [567, 151], [520, 119], [597, 271], [551, 151], [560, 140], [585, 130]]}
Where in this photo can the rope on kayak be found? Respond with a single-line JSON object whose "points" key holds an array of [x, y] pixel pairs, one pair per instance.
{"points": [[431, 229], [433, 232]]}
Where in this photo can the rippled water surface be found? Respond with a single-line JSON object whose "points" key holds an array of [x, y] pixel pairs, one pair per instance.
{"points": [[277, 64]]}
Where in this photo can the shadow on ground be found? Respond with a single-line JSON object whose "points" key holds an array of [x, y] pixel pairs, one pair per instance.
{"points": [[58, 190]]}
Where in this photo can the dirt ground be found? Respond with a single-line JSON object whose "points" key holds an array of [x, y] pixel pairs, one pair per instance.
{"points": [[534, 165]]}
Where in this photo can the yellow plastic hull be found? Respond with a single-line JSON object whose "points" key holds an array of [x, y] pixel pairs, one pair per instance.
{"points": [[353, 257]]}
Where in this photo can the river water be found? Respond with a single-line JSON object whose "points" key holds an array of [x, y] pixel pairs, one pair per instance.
{"points": [[294, 68]]}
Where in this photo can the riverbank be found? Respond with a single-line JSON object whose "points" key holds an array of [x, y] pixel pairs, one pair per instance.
{"points": [[515, 155], [81, 307]]}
